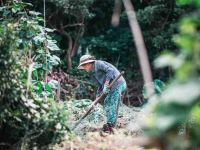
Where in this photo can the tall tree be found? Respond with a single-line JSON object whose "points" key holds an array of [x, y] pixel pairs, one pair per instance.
{"points": [[68, 18]]}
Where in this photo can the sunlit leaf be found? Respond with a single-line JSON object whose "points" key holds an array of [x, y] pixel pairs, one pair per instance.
{"points": [[35, 74], [195, 117], [169, 60], [31, 104], [2, 8], [48, 88], [174, 116], [188, 26], [39, 87], [39, 38], [184, 71], [52, 45], [184, 2], [186, 42], [37, 66], [49, 30], [53, 84], [54, 60], [34, 13], [182, 93]]}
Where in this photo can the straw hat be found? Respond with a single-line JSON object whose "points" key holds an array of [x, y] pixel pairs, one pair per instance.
{"points": [[84, 60]]}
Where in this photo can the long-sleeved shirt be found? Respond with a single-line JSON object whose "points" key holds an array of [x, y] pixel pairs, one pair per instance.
{"points": [[103, 71]]}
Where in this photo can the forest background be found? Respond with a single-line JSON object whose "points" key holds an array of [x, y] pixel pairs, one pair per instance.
{"points": [[41, 44]]}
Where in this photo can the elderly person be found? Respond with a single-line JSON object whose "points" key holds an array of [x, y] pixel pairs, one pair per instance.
{"points": [[103, 73]]}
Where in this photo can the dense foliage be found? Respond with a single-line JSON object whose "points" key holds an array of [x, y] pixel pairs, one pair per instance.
{"points": [[68, 18], [28, 110], [34, 60], [176, 111], [158, 21]]}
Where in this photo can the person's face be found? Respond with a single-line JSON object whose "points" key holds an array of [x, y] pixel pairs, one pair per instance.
{"points": [[87, 67]]}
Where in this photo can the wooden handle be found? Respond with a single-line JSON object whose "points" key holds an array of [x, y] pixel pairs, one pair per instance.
{"points": [[103, 95], [113, 82]]}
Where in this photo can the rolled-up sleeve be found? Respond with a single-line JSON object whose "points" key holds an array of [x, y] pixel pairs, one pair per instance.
{"points": [[107, 69]]}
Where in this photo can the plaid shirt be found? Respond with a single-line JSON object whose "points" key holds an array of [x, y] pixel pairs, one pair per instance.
{"points": [[103, 71]]}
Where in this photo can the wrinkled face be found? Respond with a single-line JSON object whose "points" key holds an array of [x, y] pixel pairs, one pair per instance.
{"points": [[87, 67]]}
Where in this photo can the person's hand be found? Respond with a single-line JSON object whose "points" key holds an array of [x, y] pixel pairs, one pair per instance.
{"points": [[106, 89]]}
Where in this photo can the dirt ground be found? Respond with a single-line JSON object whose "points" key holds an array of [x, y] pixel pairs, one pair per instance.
{"points": [[93, 141], [88, 137]]}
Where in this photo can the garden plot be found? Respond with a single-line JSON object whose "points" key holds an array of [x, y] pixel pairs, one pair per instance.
{"points": [[87, 132]]}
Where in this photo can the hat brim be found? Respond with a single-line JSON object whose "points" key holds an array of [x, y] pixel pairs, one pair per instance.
{"points": [[80, 66]]}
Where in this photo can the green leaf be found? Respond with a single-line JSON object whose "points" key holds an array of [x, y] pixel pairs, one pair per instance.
{"points": [[169, 60], [48, 88], [34, 13], [14, 10], [83, 103], [2, 8], [39, 38], [184, 2], [182, 93], [45, 66], [53, 84], [187, 26], [54, 60], [186, 42], [38, 87], [184, 72], [6, 13], [169, 116], [195, 117], [158, 86], [32, 104], [37, 66], [52, 45], [35, 74], [49, 30], [17, 118]]}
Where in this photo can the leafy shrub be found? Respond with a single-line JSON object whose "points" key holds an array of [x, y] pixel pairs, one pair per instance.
{"points": [[29, 116], [79, 107], [178, 106]]}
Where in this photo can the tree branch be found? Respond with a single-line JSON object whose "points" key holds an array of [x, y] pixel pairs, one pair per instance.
{"points": [[73, 25], [70, 44]]}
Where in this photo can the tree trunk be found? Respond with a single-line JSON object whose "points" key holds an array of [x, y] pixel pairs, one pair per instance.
{"points": [[140, 46], [69, 49], [69, 60], [76, 42]]}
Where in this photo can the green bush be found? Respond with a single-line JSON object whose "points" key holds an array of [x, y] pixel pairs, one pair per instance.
{"points": [[29, 115], [176, 110]]}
